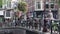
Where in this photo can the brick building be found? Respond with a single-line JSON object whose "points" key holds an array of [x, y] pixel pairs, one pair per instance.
{"points": [[36, 8]]}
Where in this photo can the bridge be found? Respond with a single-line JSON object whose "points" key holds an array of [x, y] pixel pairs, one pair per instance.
{"points": [[24, 29], [30, 30]]}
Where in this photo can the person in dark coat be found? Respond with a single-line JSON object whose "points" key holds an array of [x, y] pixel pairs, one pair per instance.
{"points": [[36, 24], [40, 24], [45, 26], [27, 23], [30, 23]]}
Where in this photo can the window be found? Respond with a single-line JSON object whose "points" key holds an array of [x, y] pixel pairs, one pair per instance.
{"points": [[38, 5], [52, 5], [39, 14], [9, 4], [8, 13], [55, 14], [47, 5]]}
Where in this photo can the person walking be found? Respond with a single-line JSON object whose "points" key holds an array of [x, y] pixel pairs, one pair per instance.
{"points": [[30, 23], [45, 26], [27, 23], [36, 24], [40, 24]]}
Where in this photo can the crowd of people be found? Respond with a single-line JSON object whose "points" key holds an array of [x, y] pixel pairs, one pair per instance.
{"points": [[29, 23]]}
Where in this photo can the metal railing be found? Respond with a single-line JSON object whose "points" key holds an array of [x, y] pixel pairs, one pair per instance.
{"points": [[26, 24], [33, 25]]}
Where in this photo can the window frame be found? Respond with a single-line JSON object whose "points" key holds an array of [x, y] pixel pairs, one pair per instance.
{"points": [[6, 14], [8, 4], [46, 6], [36, 9], [51, 6], [38, 5]]}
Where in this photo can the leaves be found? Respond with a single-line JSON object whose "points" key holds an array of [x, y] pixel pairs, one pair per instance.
{"points": [[59, 2], [0, 3], [22, 6]]}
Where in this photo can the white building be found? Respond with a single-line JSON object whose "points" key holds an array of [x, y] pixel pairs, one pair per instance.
{"points": [[8, 6]]}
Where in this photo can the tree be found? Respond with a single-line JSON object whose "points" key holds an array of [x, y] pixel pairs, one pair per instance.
{"points": [[0, 3], [22, 6], [59, 2]]}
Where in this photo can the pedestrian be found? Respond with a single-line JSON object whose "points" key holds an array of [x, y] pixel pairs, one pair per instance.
{"points": [[36, 24], [45, 26], [27, 23], [39, 24], [48, 24], [30, 23]]}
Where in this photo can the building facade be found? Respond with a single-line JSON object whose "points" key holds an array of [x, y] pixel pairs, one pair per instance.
{"points": [[7, 8], [39, 7]]}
